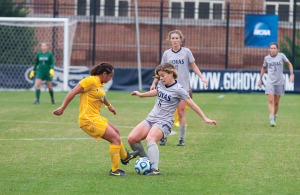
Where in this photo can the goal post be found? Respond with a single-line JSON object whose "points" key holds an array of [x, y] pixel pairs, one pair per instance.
{"points": [[48, 22]]}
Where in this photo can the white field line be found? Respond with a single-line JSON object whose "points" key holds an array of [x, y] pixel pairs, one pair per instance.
{"points": [[16, 121], [282, 135], [173, 132], [221, 96], [117, 101], [33, 139], [152, 102]]}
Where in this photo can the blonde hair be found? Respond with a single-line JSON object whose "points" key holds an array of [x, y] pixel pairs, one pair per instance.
{"points": [[175, 32], [166, 67]]}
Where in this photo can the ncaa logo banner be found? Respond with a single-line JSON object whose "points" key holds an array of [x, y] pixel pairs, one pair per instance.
{"points": [[260, 30]]}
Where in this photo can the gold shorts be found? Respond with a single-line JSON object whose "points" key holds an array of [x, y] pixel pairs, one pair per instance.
{"points": [[96, 129]]}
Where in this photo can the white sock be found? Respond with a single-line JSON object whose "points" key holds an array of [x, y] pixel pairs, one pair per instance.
{"points": [[139, 146], [271, 117], [182, 132], [275, 116], [153, 154]]}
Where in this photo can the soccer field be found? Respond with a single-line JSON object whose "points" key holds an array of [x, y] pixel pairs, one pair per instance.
{"points": [[46, 154]]}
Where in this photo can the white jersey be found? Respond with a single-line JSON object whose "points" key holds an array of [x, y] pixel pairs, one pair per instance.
{"points": [[181, 60], [275, 68], [168, 98]]}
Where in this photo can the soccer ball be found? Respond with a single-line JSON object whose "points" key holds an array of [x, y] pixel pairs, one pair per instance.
{"points": [[142, 166]]}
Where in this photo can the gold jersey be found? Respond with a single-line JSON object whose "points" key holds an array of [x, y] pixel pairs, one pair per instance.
{"points": [[90, 100]]}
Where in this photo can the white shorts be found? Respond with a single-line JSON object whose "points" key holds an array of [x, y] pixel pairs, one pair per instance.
{"points": [[165, 128], [275, 89]]}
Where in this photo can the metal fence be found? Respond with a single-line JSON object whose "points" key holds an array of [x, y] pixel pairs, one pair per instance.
{"points": [[214, 35]]}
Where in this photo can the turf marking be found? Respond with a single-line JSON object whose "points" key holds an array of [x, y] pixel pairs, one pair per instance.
{"points": [[129, 127], [34, 139], [135, 102], [283, 135], [221, 96]]}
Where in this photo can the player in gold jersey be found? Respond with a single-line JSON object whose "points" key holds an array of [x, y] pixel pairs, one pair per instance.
{"points": [[92, 96]]}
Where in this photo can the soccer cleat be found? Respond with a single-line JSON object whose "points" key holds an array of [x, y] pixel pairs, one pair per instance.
{"points": [[180, 143], [154, 172], [36, 102], [272, 124], [118, 172], [53, 101], [129, 157], [163, 141]]}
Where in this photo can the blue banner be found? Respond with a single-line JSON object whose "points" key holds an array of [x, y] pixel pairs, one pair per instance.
{"points": [[126, 79], [260, 30]]}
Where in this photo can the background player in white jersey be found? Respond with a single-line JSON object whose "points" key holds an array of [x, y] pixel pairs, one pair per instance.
{"points": [[182, 58], [160, 121], [176, 117], [275, 80]]}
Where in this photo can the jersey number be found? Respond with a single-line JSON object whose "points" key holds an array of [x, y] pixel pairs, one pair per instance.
{"points": [[102, 99], [159, 103]]}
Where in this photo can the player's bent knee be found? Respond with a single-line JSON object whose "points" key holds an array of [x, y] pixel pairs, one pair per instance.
{"points": [[116, 140], [132, 140], [150, 139]]}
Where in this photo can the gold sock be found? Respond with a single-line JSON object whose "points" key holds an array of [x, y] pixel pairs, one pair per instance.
{"points": [[114, 151], [186, 108], [123, 153], [176, 117]]}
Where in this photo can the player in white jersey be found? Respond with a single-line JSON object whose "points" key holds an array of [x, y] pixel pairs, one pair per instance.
{"points": [[275, 80], [160, 121], [182, 58]]}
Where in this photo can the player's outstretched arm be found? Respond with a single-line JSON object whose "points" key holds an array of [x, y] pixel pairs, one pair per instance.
{"points": [[196, 108], [151, 93], [76, 90], [198, 72], [262, 72]]}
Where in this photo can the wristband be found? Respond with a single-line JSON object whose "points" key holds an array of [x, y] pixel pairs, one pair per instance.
{"points": [[291, 73], [108, 106], [261, 77]]}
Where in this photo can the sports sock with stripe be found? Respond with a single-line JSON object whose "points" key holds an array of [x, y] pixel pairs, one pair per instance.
{"points": [[114, 151], [153, 154], [139, 146], [123, 153], [182, 130]]}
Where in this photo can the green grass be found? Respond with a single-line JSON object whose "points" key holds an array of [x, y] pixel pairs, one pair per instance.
{"points": [[241, 155]]}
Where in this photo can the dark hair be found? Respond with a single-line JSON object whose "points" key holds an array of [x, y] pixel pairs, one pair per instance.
{"points": [[273, 43], [101, 68], [166, 67]]}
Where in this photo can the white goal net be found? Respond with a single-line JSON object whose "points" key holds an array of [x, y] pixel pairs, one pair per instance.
{"points": [[20, 40]]}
